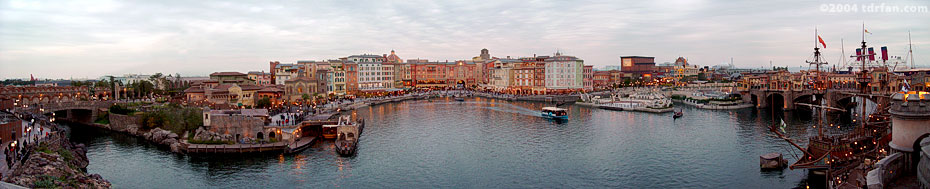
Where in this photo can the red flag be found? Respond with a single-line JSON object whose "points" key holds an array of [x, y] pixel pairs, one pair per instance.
{"points": [[821, 42]]}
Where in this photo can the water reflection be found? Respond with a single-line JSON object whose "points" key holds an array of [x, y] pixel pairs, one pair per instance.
{"points": [[489, 143]]}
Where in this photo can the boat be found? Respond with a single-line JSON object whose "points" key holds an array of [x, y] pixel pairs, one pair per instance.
{"points": [[678, 114], [348, 134], [554, 113], [836, 156], [460, 99]]}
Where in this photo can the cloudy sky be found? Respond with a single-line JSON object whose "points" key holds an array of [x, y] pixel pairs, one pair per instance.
{"points": [[88, 39]]}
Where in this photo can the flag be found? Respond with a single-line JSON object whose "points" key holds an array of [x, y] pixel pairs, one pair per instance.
{"points": [[821, 42], [783, 125], [31, 78], [867, 31], [871, 54]]}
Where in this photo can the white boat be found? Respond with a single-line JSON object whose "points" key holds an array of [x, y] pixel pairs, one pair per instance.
{"points": [[554, 113]]}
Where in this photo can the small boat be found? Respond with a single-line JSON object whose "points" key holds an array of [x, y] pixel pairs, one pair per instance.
{"points": [[554, 113], [348, 134], [678, 114], [460, 99]]}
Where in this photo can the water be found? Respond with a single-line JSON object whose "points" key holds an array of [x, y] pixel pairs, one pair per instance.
{"points": [[484, 143]]}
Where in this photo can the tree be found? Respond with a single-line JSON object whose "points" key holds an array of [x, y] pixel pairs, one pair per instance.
{"points": [[305, 96], [264, 102], [156, 79]]}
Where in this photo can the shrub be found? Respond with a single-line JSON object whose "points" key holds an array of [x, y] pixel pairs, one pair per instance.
{"points": [[46, 181], [117, 109]]}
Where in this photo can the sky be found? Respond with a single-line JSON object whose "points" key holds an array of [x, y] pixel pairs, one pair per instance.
{"points": [[89, 39]]}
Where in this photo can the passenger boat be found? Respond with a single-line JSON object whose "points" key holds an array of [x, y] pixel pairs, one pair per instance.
{"points": [[554, 113], [348, 135]]}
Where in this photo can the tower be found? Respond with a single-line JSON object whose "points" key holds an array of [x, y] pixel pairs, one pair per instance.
{"points": [[484, 54]]}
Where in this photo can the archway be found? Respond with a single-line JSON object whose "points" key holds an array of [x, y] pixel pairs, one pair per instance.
{"points": [[754, 99], [915, 155], [460, 84], [259, 136], [271, 135], [776, 101]]}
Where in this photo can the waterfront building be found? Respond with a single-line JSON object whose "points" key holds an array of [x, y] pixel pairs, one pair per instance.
{"points": [[296, 88], [564, 73], [387, 75], [213, 92], [524, 75], [639, 66], [231, 77], [370, 72], [273, 92], [284, 72], [351, 69], [588, 78], [601, 80], [260, 78], [241, 125], [403, 77], [502, 74], [337, 78], [918, 79]]}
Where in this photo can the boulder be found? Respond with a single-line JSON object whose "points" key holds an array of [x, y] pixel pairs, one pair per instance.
{"points": [[175, 147], [172, 135]]}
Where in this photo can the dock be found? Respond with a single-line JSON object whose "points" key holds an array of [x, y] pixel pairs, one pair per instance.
{"points": [[236, 148], [300, 145]]}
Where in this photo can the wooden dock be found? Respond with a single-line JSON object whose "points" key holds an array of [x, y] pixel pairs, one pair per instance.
{"points": [[236, 148], [285, 147], [300, 145]]}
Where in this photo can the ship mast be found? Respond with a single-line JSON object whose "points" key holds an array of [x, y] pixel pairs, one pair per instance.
{"points": [[910, 48], [864, 77]]}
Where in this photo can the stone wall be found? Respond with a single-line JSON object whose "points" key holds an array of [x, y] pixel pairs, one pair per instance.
{"points": [[244, 126], [886, 170], [125, 123]]}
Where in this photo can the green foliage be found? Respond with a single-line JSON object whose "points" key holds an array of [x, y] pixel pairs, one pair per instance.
{"points": [[117, 109], [173, 118], [43, 147], [305, 96], [65, 154], [46, 181], [264, 102], [103, 118]]}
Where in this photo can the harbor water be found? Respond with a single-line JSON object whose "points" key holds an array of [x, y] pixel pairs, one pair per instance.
{"points": [[485, 143]]}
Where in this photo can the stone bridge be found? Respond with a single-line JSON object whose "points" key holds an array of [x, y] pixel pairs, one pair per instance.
{"points": [[764, 98], [80, 111]]}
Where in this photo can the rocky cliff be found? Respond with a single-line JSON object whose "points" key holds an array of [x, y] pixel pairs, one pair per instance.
{"points": [[56, 163]]}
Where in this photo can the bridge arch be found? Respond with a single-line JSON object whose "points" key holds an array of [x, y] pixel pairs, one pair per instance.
{"points": [[776, 100]]}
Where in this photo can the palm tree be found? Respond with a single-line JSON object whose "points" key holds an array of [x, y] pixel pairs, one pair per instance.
{"points": [[156, 79]]}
